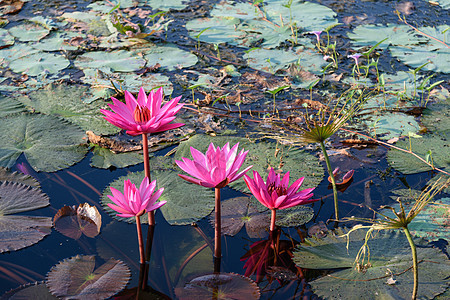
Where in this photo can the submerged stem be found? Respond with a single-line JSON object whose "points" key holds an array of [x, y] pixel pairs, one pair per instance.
{"points": [[333, 181], [415, 266], [151, 214], [218, 226]]}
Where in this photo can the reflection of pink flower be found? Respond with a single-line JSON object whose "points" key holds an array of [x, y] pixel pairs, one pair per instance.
{"points": [[276, 192], [216, 168], [133, 202], [22, 167], [355, 56], [144, 115]]}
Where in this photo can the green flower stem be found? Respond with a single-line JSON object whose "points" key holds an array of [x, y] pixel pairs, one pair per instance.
{"points": [[272, 220], [415, 266], [217, 226], [151, 214], [333, 181], [140, 240]]}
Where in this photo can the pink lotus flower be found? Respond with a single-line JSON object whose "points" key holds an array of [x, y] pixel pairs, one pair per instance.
{"points": [[216, 168], [276, 193], [144, 115], [134, 202]]}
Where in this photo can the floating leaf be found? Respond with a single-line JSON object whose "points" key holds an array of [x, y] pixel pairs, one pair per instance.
{"points": [[75, 278], [119, 61], [106, 7], [186, 203], [59, 41], [18, 231], [219, 286], [6, 175], [66, 101], [165, 5], [9, 106], [389, 125], [408, 164], [29, 32], [370, 35], [37, 291], [37, 63], [440, 177], [433, 221], [6, 39], [49, 143], [390, 253], [73, 222], [262, 156], [437, 117], [294, 216], [104, 158], [169, 56], [15, 52], [239, 211]]}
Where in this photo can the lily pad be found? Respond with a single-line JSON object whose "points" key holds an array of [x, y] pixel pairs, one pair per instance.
{"points": [[219, 286], [75, 278], [9, 106], [18, 231], [294, 216], [104, 158], [6, 39], [29, 32], [370, 35], [74, 221], [49, 143], [107, 6], [119, 61], [262, 156], [390, 257], [239, 211], [66, 101], [169, 56], [59, 41], [437, 117], [12, 53], [408, 164], [37, 290], [433, 221], [392, 124], [186, 203], [37, 63], [7, 175], [165, 5]]}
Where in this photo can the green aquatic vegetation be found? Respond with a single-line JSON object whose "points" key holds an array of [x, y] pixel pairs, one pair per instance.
{"points": [[168, 56], [6, 39], [118, 61], [38, 63], [104, 158]]}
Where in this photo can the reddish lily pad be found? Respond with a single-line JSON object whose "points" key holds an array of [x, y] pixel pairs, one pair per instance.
{"points": [[73, 222], [219, 286], [75, 278], [344, 180], [37, 290], [239, 211], [18, 231]]}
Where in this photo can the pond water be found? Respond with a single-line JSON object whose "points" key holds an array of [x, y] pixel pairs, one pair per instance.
{"points": [[247, 71]]}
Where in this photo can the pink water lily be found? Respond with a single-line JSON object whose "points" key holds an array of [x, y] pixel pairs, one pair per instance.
{"points": [[276, 193], [216, 168], [134, 202], [144, 115]]}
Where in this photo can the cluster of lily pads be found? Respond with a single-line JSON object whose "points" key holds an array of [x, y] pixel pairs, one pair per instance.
{"points": [[58, 72]]}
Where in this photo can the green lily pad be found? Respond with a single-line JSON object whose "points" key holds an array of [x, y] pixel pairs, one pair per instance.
{"points": [[118, 61], [432, 223], [294, 216], [59, 41], [36, 290], [169, 56], [370, 35], [107, 6], [6, 39], [165, 5], [244, 23], [15, 52], [104, 158], [105, 84], [66, 101], [75, 278], [29, 32], [392, 124], [437, 117], [186, 203], [49, 143], [19, 231], [9, 106], [440, 177], [37, 63], [408, 164], [390, 253], [262, 157]]}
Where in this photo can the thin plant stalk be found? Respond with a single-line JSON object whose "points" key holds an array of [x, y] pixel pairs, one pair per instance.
{"points": [[151, 214], [272, 220], [140, 240], [218, 226], [415, 266], [333, 181]]}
